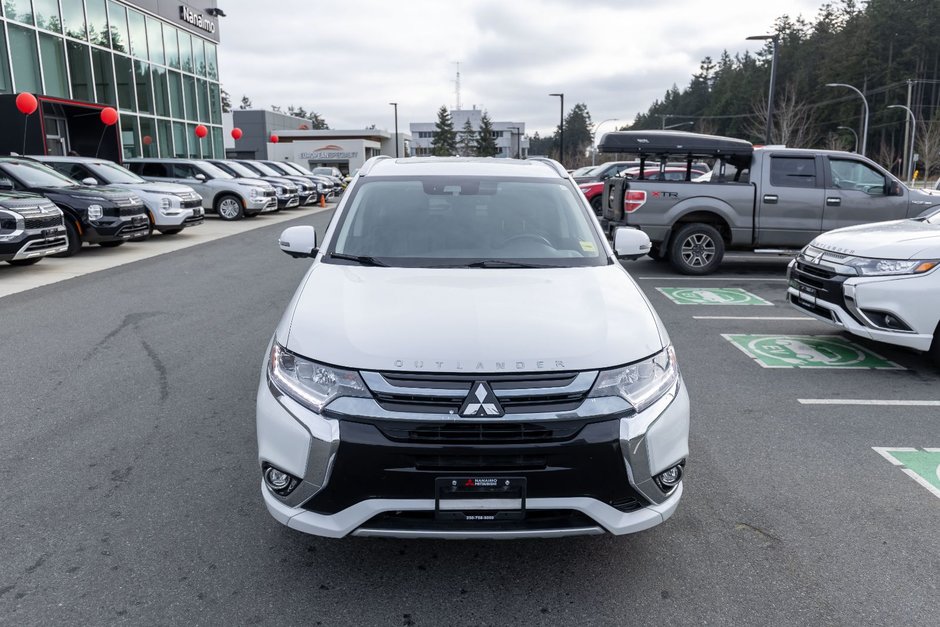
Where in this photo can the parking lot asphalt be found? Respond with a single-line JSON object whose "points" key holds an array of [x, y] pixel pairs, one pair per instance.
{"points": [[132, 493]]}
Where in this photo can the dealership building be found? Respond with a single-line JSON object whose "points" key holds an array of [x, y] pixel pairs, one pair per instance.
{"points": [[155, 61]]}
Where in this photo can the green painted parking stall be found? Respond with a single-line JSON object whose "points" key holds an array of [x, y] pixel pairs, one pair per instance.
{"points": [[921, 465], [712, 296], [808, 351]]}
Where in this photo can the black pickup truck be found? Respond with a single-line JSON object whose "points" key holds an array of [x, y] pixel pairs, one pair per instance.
{"points": [[772, 200]]}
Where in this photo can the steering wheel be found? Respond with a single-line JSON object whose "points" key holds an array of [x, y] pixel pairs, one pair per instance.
{"points": [[531, 236]]}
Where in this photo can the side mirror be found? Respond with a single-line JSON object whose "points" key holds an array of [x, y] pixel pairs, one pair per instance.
{"points": [[299, 241], [89, 181], [631, 243], [6, 184], [893, 188], [200, 176]]}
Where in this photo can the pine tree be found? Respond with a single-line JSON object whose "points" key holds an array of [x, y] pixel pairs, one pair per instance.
{"points": [[444, 143], [467, 141], [226, 102], [246, 103], [486, 143]]}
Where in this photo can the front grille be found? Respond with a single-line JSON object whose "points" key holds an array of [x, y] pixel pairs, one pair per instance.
{"points": [[191, 204], [46, 244], [131, 210], [194, 219], [814, 309], [535, 520], [479, 432], [269, 194], [45, 222], [128, 201], [517, 393]]}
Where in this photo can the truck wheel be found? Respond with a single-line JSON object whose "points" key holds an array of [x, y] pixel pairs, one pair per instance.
{"points": [[597, 204], [935, 348], [73, 238], [229, 207], [696, 249]]}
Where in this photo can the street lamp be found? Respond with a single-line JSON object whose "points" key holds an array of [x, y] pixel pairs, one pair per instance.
{"points": [[594, 134], [561, 126], [865, 103], [518, 134], [678, 125], [854, 134], [910, 158], [395, 104], [774, 40]]}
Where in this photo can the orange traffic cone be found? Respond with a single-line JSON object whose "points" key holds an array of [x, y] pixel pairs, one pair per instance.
{"points": [[323, 200]]}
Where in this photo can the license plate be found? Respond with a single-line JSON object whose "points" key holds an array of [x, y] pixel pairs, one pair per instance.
{"points": [[48, 233], [480, 498]]}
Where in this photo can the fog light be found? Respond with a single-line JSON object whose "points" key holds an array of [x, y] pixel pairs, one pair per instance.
{"points": [[670, 478], [279, 481]]}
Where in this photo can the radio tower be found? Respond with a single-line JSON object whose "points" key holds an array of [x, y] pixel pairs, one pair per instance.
{"points": [[457, 83]]}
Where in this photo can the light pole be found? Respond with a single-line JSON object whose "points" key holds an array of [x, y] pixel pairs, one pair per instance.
{"points": [[864, 139], [594, 134], [395, 104], [854, 134], [774, 40], [909, 173], [678, 125], [561, 127], [518, 134]]}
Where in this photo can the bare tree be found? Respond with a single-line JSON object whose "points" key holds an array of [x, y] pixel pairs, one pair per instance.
{"points": [[706, 126], [887, 155], [793, 121], [928, 144], [837, 141]]}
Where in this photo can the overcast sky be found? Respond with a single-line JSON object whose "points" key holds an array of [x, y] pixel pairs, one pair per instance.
{"points": [[348, 59]]}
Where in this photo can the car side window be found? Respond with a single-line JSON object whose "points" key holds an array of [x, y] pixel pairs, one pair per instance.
{"points": [[793, 171], [150, 169], [183, 171], [78, 172], [855, 175]]}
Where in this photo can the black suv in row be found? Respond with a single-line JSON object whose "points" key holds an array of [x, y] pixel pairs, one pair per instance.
{"points": [[97, 215], [31, 227]]}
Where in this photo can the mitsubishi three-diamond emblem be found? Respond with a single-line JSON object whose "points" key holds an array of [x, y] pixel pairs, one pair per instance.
{"points": [[481, 402]]}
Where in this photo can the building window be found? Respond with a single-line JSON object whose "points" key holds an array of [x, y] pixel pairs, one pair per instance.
{"points": [[73, 17], [179, 140], [195, 151], [80, 69], [137, 27], [53, 66], [25, 59], [117, 18], [218, 146], [164, 139], [47, 15], [124, 72], [171, 47], [176, 95], [155, 37], [130, 140], [104, 76], [148, 137], [212, 58], [186, 51], [189, 97], [6, 85], [19, 10], [161, 93], [144, 88], [202, 89], [215, 104], [199, 56], [97, 22]]}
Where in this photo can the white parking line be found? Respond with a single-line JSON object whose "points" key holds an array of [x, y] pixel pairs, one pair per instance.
{"points": [[871, 402], [705, 278], [751, 318]]}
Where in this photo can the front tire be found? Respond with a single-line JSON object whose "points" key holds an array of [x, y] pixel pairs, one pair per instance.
{"points": [[597, 204], [229, 207], [73, 238], [934, 351], [696, 249]]}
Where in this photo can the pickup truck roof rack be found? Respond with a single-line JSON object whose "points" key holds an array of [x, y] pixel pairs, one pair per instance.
{"points": [[560, 169]]}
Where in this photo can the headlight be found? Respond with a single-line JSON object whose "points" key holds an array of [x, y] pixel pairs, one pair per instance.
{"points": [[95, 212], [887, 267], [255, 192], [640, 384], [10, 224], [311, 384], [279, 191], [165, 203]]}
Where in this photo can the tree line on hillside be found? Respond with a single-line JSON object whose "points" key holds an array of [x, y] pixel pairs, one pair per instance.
{"points": [[316, 120]]}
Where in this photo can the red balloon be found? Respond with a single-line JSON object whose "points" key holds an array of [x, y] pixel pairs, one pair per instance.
{"points": [[236, 133], [26, 103], [275, 139], [201, 131], [148, 140], [109, 116]]}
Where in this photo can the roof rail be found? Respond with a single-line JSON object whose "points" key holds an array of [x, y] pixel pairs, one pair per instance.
{"points": [[560, 169], [368, 165]]}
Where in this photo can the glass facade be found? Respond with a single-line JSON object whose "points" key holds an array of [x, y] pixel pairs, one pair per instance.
{"points": [[163, 79]]}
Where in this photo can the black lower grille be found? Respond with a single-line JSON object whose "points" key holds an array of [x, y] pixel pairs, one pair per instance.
{"points": [[814, 309], [47, 244], [131, 211], [480, 432], [44, 222], [535, 520]]}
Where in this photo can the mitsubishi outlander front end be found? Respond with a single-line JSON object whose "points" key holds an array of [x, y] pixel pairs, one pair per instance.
{"points": [[456, 364]]}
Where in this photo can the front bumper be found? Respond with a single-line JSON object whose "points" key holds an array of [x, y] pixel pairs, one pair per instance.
{"points": [[33, 243], [842, 300], [288, 202], [260, 204], [110, 229], [360, 478]]}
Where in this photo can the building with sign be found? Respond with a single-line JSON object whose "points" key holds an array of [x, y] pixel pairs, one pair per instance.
{"points": [[344, 149], [155, 61], [509, 136]]}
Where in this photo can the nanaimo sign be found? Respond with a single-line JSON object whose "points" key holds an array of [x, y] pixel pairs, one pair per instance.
{"points": [[196, 19], [330, 151]]}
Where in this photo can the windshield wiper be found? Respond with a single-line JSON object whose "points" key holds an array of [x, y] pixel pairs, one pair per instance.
{"points": [[498, 263], [363, 260]]}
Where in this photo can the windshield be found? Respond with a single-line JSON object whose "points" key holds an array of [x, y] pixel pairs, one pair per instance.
{"points": [[238, 169], [583, 171], [299, 168], [280, 170], [113, 173], [260, 168], [213, 171], [36, 175], [459, 221]]}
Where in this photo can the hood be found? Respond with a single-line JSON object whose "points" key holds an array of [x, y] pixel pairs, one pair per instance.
{"points": [[899, 239], [252, 183], [156, 188], [591, 187], [13, 195], [443, 320], [87, 191]]}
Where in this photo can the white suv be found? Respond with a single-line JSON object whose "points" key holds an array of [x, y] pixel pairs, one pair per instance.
{"points": [[467, 358]]}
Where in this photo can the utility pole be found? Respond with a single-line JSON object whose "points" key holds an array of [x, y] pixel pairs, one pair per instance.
{"points": [[908, 140], [395, 104], [561, 126]]}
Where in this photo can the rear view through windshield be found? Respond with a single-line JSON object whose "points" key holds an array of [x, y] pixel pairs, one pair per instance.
{"points": [[437, 221]]}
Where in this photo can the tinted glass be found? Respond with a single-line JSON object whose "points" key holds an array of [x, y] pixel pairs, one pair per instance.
{"points": [[19, 10], [176, 94], [793, 171], [25, 60], [53, 65], [124, 72], [239, 169], [144, 93], [97, 22], [261, 168], [164, 138], [36, 175], [215, 104], [47, 15], [161, 93], [171, 47], [195, 144], [180, 149], [73, 17], [437, 221], [199, 56], [155, 39], [186, 51], [137, 28], [213, 171], [113, 173], [855, 175], [117, 18], [189, 97], [6, 85], [218, 145], [80, 70], [202, 90], [212, 61], [130, 140], [104, 75]]}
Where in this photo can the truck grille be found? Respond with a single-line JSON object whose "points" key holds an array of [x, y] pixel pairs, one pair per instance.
{"points": [[480, 432], [133, 210], [44, 222]]}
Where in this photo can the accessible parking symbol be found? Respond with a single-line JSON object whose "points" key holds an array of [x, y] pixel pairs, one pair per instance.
{"points": [[711, 296], [921, 465], [808, 351]]}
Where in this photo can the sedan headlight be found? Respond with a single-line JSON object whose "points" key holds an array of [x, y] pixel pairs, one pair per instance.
{"points": [[640, 384], [311, 384], [888, 267], [95, 212]]}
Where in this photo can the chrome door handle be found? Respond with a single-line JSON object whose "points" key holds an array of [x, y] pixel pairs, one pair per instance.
{"points": [[770, 199], [832, 201]]}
